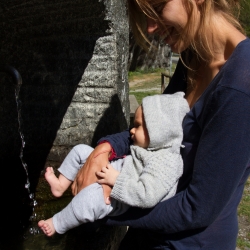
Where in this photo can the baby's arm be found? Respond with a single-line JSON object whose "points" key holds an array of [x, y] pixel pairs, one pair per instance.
{"points": [[108, 175]]}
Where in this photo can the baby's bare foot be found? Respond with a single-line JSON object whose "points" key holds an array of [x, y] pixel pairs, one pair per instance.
{"points": [[47, 226], [55, 185]]}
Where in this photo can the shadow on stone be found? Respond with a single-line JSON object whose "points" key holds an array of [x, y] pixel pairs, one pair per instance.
{"points": [[112, 121], [50, 44]]}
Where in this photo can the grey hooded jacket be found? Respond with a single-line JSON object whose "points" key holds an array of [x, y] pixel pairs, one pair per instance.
{"points": [[151, 175]]}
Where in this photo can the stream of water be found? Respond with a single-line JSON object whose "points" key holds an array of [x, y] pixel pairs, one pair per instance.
{"points": [[18, 80]]}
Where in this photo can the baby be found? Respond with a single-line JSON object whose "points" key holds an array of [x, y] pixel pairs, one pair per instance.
{"points": [[147, 176]]}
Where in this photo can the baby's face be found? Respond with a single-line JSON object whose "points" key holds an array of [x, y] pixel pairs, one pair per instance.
{"points": [[139, 133]]}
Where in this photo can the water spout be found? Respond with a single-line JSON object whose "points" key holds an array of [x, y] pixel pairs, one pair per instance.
{"points": [[17, 80], [14, 73]]}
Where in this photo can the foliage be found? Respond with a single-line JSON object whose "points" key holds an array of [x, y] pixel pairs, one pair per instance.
{"points": [[245, 16]]}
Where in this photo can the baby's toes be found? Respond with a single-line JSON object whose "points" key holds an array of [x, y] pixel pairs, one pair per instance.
{"points": [[50, 170]]}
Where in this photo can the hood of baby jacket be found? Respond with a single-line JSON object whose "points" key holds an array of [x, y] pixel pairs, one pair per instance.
{"points": [[163, 115]]}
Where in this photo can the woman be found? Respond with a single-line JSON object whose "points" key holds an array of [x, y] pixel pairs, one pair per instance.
{"points": [[214, 74]]}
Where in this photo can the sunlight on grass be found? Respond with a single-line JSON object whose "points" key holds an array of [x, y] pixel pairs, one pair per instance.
{"points": [[145, 84], [140, 95], [143, 73]]}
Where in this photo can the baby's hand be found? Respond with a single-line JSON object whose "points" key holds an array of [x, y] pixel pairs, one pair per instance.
{"points": [[108, 175]]}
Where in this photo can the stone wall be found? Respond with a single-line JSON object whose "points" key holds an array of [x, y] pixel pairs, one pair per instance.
{"points": [[100, 103], [72, 56]]}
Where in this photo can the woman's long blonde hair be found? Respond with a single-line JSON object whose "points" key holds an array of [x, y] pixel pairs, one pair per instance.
{"points": [[140, 9]]}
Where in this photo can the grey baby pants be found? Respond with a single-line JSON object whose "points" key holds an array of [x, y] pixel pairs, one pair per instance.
{"points": [[88, 205]]}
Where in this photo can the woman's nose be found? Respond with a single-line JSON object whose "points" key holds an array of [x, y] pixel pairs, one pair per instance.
{"points": [[151, 25]]}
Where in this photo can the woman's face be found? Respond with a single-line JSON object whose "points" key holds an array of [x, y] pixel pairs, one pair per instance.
{"points": [[175, 19]]}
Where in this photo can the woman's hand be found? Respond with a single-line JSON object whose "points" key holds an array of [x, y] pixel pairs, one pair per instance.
{"points": [[87, 174]]}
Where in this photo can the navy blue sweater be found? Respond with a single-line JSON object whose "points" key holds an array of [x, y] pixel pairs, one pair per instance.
{"points": [[203, 213]]}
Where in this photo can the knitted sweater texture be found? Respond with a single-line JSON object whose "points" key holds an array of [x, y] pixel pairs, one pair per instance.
{"points": [[148, 177]]}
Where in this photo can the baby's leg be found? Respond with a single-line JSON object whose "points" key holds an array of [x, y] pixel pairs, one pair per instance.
{"points": [[47, 226], [87, 206], [57, 185], [68, 169], [74, 161]]}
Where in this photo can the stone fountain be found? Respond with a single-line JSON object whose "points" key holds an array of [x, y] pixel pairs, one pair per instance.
{"points": [[72, 57]]}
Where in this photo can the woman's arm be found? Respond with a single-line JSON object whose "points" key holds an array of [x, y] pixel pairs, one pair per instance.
{"points": [[221, 165], [118, 144], [96, 160]]}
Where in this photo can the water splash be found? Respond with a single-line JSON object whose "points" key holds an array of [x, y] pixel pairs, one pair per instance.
{"points": [[18, 80]]}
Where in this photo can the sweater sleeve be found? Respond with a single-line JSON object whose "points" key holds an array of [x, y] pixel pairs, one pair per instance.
{"points": [[145, 182], [120, 142], [222, 159]]}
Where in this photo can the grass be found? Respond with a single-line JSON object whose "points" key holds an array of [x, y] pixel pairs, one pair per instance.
{"points": [[140, 95], [245, 202], [143, 73], [144, 83], [243, 240]]}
